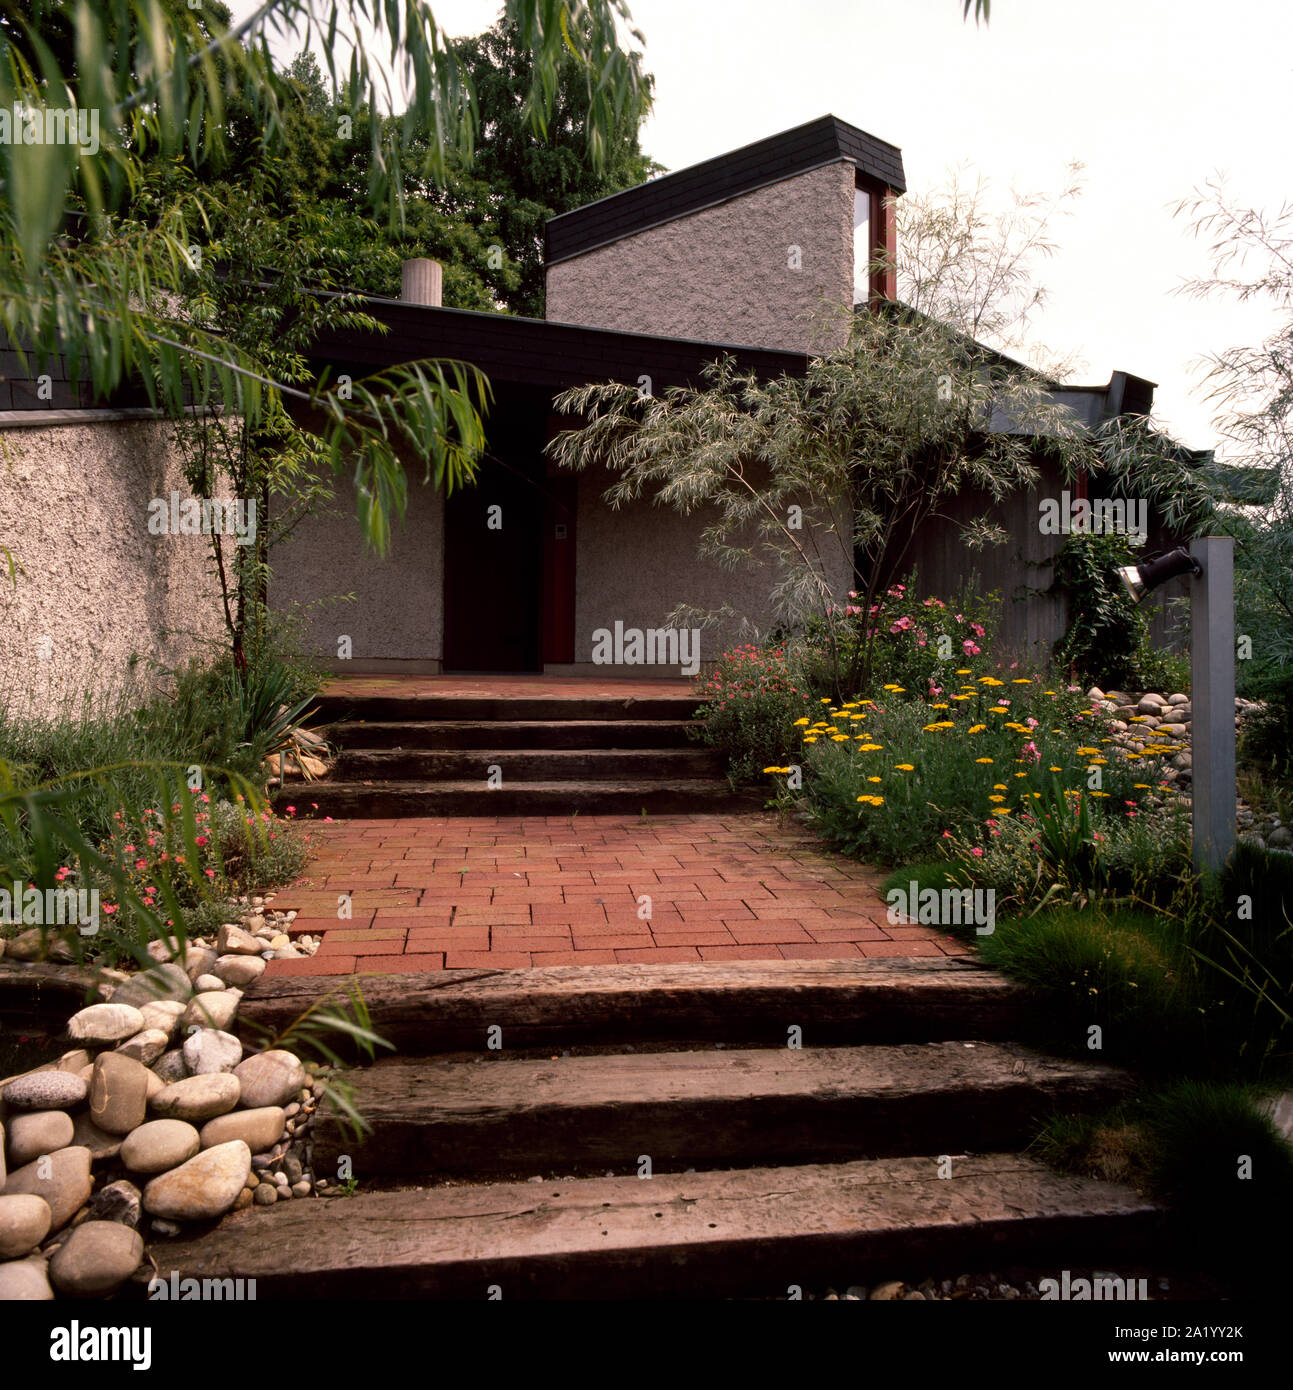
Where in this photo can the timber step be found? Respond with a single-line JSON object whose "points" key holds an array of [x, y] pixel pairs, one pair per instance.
{"points": [[756, 1231], [376, 799], [513, 733], [529, 766], [332, 708], [494, 1116], [886, 1000]]}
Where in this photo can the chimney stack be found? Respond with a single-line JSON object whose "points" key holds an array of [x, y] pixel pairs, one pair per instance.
{"points": [[421, 281]]}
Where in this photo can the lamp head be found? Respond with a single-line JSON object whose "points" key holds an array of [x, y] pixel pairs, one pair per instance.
{"points": [[1142, 579]]}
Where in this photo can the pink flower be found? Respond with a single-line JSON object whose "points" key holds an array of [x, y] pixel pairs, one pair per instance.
{"points": [[977, 852], [901, 625], [1031, 722], [200, 840], [978, 629], [947, 834], [1031, 749], [141, 863], [969, 648]]}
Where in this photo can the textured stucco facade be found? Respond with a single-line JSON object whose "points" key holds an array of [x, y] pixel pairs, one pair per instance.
{"points": [[755, 270], [396, 620], [635, 565], [99, 601]]}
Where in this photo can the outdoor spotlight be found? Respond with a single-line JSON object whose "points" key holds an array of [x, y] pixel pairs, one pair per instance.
{"points": [[1139, 580]]}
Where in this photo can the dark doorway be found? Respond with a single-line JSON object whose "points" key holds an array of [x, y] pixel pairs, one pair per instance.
{"points": [[494, 547]]}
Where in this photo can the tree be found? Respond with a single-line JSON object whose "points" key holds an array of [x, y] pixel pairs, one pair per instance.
{"points": [[81, 275], [1251, 388], [835, 472]]}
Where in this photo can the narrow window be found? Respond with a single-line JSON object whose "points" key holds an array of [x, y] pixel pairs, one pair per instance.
{"points": [[861, 245]]}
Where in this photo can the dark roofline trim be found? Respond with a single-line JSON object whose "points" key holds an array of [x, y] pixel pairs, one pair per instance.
{"points": [[826, 140], [862, 179]]}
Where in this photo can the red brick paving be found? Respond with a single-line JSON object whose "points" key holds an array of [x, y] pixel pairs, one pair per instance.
{"points": [[559, 890]]}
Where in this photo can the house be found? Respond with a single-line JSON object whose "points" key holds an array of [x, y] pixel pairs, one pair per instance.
{"points": [[531, 570]]}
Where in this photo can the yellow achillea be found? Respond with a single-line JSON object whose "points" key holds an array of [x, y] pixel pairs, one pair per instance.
{"points": [[983, 760], [872, 800], [990, 680], [798, 722], [904, 767], [874, 779], [839, 738], [996, 798], [964, 671], [870, 747], [977, 728], [776, 769]]}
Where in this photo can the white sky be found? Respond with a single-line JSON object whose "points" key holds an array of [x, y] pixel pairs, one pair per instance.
{"points": [[1152, 96]]}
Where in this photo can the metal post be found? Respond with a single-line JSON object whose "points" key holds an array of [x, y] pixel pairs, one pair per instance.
{"points": [[1212, 697]]}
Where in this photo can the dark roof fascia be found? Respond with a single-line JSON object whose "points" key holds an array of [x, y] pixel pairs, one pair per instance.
{"points": [[817, 143], [537, 352]]}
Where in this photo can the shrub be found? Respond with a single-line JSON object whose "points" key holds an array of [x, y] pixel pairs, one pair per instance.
{"points": [[751, 702]]}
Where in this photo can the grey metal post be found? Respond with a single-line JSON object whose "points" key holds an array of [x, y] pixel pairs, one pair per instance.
{"points": [[1212, 696]]}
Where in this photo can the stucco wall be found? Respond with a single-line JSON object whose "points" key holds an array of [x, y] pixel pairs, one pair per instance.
{"points": [[636, 564], [396, 621], [95, 583], [723, 274]]}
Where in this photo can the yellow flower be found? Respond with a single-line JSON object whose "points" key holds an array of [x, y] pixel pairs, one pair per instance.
{"points": [[839, 738], [964, 671], [977, 728], [858, 716], [853, 704], [1021, 680], [825, 700], [1099, 793], [1142, 786], [1056, 769], [897, 688], [1085, 751], [996, 798], [810, 740], [999, 787], [960, 697], [872, 800], [1037, 796], [983, 760], [798, 722], [874, 779], [938, 706], [990, 680], [870, 747], [776, 769], [904, 767], [1002, 811], [1021, 774]]}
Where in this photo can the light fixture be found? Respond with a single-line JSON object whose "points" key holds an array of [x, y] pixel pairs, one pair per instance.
{"points": [[1140, 580]]}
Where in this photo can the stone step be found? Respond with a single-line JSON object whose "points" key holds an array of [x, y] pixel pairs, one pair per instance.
{"points": [[335, 706], [529, 765], [493, 1116], [382, 800], [886, 1000], [513, 733], [755, 1231]]}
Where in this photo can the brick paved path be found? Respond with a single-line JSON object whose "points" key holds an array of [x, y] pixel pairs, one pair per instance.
{"points": [[512, 892]]}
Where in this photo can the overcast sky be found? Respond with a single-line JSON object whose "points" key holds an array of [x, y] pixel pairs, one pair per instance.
{"points": [[1152, 96]]}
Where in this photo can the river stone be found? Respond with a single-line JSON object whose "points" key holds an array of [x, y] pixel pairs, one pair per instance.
{"points": [[145, 1047], [198, 1097], [270, 1078], [164, 1014], [24, 1223], [160, 1145], [206, 984], [151, 986], [212, 1009], [118, 1093], [38, 1132], [87, 1135], [198, 961], [204, 1187], [259, 1129], [239, 970], [47, 1090], [170, 1066], [74, 1061], [210, 1050], [25, 1281], [265, 1195], [61, 1178], [120, 1201], [233, 941], [105, 1023], [96, 1259]]}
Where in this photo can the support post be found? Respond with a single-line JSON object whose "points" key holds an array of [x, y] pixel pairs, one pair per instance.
{"points": [[1212, 697]]}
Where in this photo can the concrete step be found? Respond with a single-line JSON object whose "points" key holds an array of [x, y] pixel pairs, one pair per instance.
{"points": [[373, 799], [494, 1116], [513, 733], [887, 1000], [706, 1234], [529, 765], [333, 707]]}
